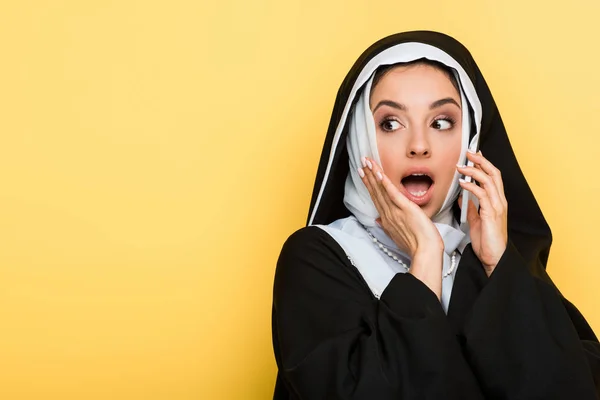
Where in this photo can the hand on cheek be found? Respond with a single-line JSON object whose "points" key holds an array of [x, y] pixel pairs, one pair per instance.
{"points": [[407, 225]]}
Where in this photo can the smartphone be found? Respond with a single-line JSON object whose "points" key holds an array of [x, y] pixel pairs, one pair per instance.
{"points": [[474, 147]]}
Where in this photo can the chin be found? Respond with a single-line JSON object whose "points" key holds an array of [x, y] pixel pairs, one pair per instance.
{"points": [[430, 210]]}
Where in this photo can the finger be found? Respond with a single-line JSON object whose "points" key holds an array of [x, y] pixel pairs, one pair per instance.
{"points": [[363, 173], [486, 165], [393, 194], [479, 160], [497, 177], [487, 183], [498, 183], [375, 190], [378, 190], [479, 175], [480, 193]]}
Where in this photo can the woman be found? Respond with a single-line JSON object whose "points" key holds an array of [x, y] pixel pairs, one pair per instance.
{"points": [[411, 281]]}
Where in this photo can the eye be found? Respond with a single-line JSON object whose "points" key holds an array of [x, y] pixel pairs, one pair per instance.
{"points": [[390, 125], [443, 124]]}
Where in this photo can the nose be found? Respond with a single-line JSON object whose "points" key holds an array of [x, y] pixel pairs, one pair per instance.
{"points": [[418, 145]]}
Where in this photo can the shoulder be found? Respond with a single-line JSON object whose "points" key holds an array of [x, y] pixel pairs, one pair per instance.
{"points": [[320, 240], [309, 242], [311, 258]]}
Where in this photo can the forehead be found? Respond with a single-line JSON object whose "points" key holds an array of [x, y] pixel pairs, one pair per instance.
{"points": [[422, 79]]}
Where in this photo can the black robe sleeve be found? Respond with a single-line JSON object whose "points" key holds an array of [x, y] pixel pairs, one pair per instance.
{"points": [[521, 340], [334, 340]]}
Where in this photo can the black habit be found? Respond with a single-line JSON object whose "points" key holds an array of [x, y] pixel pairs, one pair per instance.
{"points": [[510, 336]]}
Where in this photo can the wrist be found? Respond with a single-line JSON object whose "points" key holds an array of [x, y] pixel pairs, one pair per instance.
{"points": [[426, 266], [431, 246], [428, 256]]}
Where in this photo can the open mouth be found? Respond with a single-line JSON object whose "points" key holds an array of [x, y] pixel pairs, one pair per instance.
{"points": [[418, 187]]}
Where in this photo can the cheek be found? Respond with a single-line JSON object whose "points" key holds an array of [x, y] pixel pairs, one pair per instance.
{"points": [[451, 157], [390, 152], [450, 150], [448, 158]]}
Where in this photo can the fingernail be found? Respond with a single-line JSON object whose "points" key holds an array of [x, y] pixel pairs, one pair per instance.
{"points": [[361, 172], [379, 176], [480, 153], [460, 165], [461, 180], [363, 162], [369, 165], [471, 151]]}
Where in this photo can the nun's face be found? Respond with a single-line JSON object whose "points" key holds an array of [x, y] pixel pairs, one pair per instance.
{"points": [[419, 127]]}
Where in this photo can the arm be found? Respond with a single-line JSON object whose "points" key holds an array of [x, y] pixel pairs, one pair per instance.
{"points": [[521, 342], [333, 339], [519, 338]]}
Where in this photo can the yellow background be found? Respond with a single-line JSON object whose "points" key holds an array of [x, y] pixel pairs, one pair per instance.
{"points": [[154, 155]]}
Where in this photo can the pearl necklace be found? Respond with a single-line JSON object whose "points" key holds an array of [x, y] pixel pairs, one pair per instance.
{"points": [[387, 251]]}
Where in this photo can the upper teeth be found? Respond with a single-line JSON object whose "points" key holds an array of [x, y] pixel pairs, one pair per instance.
{"points": [[418, 174]]}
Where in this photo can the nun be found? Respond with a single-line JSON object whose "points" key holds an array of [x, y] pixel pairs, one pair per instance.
{"points": [[421, 271]]}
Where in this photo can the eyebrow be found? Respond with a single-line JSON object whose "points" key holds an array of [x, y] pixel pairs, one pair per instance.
{"points": [[402, 107], [439, 103], [390, 103]]}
